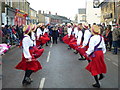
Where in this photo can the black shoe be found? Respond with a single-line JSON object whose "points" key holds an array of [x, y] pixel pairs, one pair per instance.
{"points": [[76, 52], [81, 59], [101, 77], [26, 81], [31, 80], [69, 48], [97, 85], [89, 61]]}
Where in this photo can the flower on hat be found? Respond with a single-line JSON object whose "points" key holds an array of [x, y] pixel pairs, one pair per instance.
{"points": [[95, 30], [33, 27], [27, 29]]}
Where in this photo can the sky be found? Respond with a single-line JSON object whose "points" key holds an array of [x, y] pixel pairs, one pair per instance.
{"points": [[68, 8]]}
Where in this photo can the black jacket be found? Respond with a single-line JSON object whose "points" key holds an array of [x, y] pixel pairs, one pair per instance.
{"points": [[55, 33]]}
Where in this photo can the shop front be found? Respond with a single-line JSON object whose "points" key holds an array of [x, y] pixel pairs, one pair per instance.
{"points": [[108, 18], [20, 18], [10, 16]]}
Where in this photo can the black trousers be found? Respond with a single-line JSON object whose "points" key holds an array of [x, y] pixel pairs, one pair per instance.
{"points": [[54, 40]]}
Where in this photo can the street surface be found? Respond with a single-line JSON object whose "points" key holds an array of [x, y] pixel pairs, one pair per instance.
{"points": [[61, 69]]}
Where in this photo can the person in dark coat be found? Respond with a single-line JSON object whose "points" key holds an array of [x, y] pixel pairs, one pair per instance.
{"points": [[55, 34], [108, 37]]}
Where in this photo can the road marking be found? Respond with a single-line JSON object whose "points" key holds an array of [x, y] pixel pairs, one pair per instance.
{"points": [[48, 58], [51, 45], [115, 64], [42, 84], [108, 59], [112, 62]]}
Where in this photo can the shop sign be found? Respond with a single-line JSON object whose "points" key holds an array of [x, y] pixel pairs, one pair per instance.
{"points": [[21, 15]]}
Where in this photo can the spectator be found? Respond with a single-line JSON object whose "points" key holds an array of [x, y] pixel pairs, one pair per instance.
{"points": [[108, 37], [15, 36], [65, 30], [115, 38], [55, 34], [3, 33]]}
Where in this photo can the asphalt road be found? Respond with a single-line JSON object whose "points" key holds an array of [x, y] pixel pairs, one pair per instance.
{"points": [[61, 69]]}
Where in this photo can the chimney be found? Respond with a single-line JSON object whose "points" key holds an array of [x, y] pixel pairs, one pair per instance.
{"points": [[55, 13], [39, 12], [49, 12]]}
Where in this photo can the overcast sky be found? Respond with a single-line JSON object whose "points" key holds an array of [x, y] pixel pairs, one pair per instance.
{"points": [[66, 8]]}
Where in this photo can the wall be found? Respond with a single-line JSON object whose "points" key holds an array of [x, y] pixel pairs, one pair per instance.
{"points": [[41, 18], [92, 14], [81, 19], [106, 9]]}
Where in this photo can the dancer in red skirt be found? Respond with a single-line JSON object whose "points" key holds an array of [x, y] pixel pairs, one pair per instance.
{"points": [[95, 53], [37, 52], [84, 46], [38, 35], [33, 36], [73, 41], [79, 39], [42, 36], [29, 63], [69, 36]]}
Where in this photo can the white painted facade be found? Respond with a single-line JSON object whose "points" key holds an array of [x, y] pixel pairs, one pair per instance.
{"points": [[92, 14], [81, 18], [47, 20]]}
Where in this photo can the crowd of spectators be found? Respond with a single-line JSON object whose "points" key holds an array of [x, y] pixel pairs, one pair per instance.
{"points": [[111, 35], [11, 34]]}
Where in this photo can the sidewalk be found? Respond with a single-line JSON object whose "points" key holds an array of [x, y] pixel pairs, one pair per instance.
{"points": [[12, 47]]}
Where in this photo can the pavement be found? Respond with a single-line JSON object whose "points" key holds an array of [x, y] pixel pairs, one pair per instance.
{"points": [[61, 69]]}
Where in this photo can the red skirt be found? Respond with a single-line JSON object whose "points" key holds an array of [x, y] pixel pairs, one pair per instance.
{"points": [[38, 43], [38, 53], [81, 50], [46, 34], [66, 39], [97, 65], [44, 39], [33, 65], [73, 43]]}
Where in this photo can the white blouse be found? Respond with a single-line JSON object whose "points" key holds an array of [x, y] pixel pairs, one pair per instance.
{"points": [[76, 32], [79, 39], [87, 35], [33, 37], [69, 30], [27, 42], [94, 40], [45, 30], [39, 32]]}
